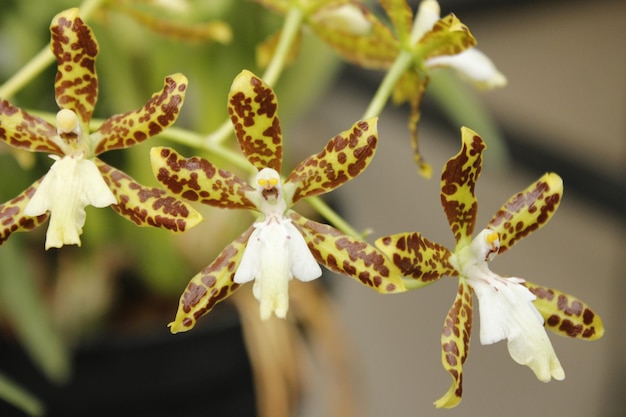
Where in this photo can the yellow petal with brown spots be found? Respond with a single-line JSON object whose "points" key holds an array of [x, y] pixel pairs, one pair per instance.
{"points": [[197, 179], [210, 286], [565, 314], [344, 157], [75, 48], [376, 49], [410, 87], [160, 112], [416, 257], [12, 218], [447, 37], [22, 130], [457, 186], [253, 111], [455, 340], [146, 206], [349, 256], [401, 17], [527, 211]]}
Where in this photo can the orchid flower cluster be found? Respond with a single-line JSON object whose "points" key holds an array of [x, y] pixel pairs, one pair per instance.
{"points": [[282, 244]]}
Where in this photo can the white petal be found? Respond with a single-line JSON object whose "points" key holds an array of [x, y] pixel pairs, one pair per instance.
{"points": [[428, 14], [303, 265], [507, 312], [70, 185], [472, 65], [250, 261], [346, 18]]}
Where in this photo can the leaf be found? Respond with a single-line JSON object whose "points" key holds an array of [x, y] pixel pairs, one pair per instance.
{"points": [[342, 159], [197, 179], [210, 286], [349, 256], [131, 128], [75, 48], [13, 393], [565, 314], [527, 211], [252, 107], [146, 206], [25, 308], [455, 340], [22, 130], [416, 257], [457, 186], [12, 217]]}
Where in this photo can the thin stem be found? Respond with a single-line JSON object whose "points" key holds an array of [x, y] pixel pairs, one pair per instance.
{"points": [[378, 102], [40, 61], [333, 217]]}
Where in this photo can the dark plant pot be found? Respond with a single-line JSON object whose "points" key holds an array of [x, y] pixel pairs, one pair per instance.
{"points": [[205, 372]]}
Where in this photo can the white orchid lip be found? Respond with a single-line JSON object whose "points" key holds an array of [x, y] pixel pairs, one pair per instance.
{"points": [[506, 308], [276, 251]]}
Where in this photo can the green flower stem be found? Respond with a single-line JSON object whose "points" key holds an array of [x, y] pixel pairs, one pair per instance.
{"points": [[289, 32], [333, 217], [40, 61], [378, 102]]}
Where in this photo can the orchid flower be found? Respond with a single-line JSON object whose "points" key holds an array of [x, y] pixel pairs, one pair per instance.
{"points": [[510, 308], [281, 244], [77, 178]]}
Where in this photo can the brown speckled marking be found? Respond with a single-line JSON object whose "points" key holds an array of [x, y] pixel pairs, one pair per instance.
{"points": [[252, 107], [12, 218], [75, 48], [347, 255], [447, 41], [526, 211], [455, 340], [146, 206], [417, 257], [344, 157], [160, 112], [457, 186], [25, 131], [198, 180], [566, 314], [210, 286]]}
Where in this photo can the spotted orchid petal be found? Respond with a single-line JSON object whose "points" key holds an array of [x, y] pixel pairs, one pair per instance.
{"points": [[411, 87], [349, 256], [343, 158], [401, 16], [75, 47], [455, 340], [457, 186], [448, 36], [363, 41], [198, 180], [147, 206], [71, 184], [473, 66], [565, 314], [416, 257], [25, 131], [252, 107], [213, 284], [131, 128], [527, 211], [12, 217]]}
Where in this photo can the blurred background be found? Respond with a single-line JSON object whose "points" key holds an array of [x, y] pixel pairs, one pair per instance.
{"points": [[101, 310]]}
